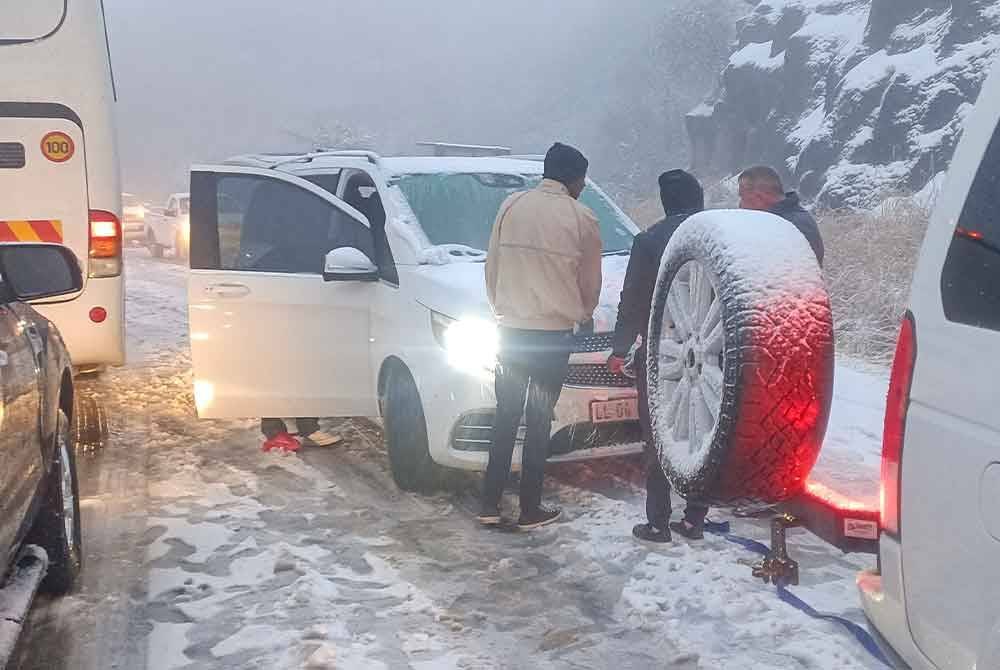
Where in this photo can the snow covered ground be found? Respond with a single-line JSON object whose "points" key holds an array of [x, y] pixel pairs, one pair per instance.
{"points": [[204, 552]]}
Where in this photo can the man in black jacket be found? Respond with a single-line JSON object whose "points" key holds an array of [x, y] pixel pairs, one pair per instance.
{"points": [[682, 196], [761, 189]]}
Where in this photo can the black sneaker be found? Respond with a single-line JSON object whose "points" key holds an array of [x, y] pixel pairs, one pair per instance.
{"points": [[540, 517], [650, 533], [688, 530], [489, 517]]}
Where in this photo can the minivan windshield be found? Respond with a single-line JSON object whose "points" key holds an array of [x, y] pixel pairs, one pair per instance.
{"points": [[460, 208], [29, 21]]}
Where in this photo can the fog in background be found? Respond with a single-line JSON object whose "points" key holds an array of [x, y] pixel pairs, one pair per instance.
{"points": [[202, 80]]}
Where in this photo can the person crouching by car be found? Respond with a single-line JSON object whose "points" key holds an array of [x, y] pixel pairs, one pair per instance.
{"points": [[277, 435], [543, 277], [682, 196]]}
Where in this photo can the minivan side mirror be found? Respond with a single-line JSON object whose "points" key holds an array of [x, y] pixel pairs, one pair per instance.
{"points": [[36, 271], [349, 264]]}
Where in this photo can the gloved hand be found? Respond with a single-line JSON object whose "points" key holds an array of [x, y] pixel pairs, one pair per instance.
{"points": [[616, 364]]}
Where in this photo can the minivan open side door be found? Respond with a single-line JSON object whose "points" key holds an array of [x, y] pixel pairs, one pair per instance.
{"points": [[270, 337]]}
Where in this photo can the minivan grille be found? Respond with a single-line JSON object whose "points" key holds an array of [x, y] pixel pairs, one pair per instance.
{"points": [[11, 155], [596, 375], [596, 343]]}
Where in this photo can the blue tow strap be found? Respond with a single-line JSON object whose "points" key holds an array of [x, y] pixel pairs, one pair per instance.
{"points": [[859, 633]]}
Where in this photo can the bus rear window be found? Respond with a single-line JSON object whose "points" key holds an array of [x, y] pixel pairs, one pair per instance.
{"points": [[29, 20]]}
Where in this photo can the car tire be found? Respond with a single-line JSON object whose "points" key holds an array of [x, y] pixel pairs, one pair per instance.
{"points": [[155, 250], [57, 526], [410, 460], [90, 422], [741, 340]]}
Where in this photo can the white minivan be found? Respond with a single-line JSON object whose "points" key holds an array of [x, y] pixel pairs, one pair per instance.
{"points": [[59, 176], [347, 284], [935, 598]]}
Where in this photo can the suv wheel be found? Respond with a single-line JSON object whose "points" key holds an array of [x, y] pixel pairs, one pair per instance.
{"points": [[413, 469], [740, 367], [57, 527]]}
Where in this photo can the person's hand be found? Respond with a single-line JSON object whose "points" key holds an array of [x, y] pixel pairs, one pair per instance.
{"points": [[616, 364]]}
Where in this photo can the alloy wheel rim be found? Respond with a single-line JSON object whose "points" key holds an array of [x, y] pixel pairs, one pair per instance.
{"points": [[692, 359]]}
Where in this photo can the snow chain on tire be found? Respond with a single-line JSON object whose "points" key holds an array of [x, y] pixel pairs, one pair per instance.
{"points": [[741, 359]]}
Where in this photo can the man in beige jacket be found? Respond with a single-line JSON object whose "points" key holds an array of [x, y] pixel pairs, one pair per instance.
{"points": [[543, 278]]}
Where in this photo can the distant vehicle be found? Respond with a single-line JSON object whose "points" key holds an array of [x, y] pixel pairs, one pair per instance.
{"points": [[59, 162], [345, 284], [935, 598], [39, 503], [133, 217], [170, 227]]}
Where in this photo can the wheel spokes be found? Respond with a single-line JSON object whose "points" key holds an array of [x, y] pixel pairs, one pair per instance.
{"points": [[671, 362], [696, 408], [678, 410], [715, 340], [710, 386], [679, 312], [712, 318]]}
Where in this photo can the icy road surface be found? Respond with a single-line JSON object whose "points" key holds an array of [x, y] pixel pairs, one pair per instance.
{"points": [[202, 552]]}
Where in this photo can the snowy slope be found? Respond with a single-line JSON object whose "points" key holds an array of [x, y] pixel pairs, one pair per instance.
{"points": [[854, 99]]}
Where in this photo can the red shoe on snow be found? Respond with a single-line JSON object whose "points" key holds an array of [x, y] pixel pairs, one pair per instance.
{"points": [[283, 442]]}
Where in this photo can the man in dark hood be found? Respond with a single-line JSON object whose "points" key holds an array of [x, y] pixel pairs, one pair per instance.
{"points": [[682, 196]]}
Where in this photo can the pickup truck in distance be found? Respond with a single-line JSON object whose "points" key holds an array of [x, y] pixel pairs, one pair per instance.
{"points": [[169, 227]]}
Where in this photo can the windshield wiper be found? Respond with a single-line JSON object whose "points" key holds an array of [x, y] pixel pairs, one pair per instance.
{"points": [[619, 252]]}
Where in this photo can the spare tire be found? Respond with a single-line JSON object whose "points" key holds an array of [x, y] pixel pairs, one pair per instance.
{"points": [[741, 357]]}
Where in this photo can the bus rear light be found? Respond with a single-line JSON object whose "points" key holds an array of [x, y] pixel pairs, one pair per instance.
{"points": [[105, 244]]}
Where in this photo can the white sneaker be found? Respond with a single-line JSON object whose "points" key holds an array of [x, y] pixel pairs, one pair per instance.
{"points": [[320, 438]]}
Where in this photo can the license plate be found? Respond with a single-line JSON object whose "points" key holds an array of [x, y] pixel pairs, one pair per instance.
{"points": [[608, 411]]}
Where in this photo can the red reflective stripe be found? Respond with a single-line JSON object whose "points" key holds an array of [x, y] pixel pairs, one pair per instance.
{"points": [[6, 233], [46, 231]]}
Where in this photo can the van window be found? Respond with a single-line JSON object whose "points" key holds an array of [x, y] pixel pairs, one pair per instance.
{"points": [[970, 281], [31, 20]]}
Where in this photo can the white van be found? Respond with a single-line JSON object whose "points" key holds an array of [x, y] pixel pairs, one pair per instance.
{"points": [[935, 597], [346, 284], [59, 175]]}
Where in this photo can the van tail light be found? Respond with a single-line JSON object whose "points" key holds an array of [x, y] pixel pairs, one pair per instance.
{"points": [[105, 244], [897, 403]]}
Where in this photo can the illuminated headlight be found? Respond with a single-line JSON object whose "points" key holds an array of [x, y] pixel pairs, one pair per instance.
{"points": [[470, 343], [186, 229]]}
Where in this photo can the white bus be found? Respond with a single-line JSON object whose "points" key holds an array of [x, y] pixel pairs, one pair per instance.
{"points": [[59, 178]]}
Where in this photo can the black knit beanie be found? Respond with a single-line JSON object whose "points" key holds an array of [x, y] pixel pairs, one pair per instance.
{"points": [[565, 164]]}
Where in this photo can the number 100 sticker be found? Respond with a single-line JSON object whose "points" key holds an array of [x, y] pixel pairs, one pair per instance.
{"points": [[58, 147]]}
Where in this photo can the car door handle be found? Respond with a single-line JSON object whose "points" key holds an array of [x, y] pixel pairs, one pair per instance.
{"points": [[227, 290]]}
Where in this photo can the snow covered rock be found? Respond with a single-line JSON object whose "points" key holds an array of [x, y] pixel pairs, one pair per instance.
{"points": [[852, 99]]}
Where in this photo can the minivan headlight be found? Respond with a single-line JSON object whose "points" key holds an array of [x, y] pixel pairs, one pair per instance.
{"points": [[471, 343]]}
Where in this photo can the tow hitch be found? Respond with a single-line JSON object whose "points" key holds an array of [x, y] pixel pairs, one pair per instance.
{"points": [[848, 525], [777, 568]]}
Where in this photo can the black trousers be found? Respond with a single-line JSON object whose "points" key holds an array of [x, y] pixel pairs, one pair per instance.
{"points": [[271, 427], [658, 506], [532, 366]]}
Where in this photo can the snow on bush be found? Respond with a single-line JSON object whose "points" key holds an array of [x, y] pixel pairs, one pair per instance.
{"points": [[869, 262]]}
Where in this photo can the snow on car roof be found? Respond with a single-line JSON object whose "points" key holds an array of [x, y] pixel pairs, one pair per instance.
{"points": [[446, 165]]}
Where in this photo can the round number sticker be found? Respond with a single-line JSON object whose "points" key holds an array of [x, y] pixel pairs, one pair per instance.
{"points": [[58, 147]]}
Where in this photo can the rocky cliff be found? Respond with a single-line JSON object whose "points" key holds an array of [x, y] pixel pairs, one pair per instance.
{"points": [[852, 99]]}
